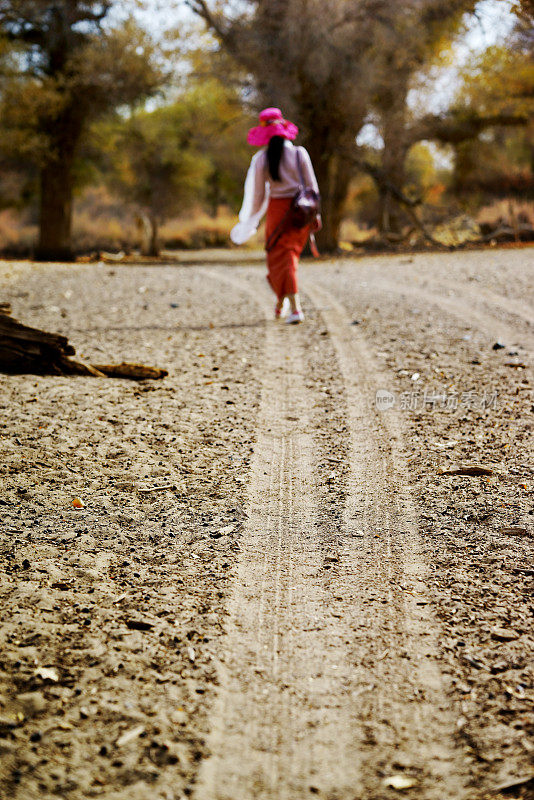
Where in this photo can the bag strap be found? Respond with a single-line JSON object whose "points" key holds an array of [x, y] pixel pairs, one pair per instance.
{"points": [[313, 244], [299, 167]]}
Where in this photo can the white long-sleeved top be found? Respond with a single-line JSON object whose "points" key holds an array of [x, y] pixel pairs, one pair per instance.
{"points": [[259, 187]]}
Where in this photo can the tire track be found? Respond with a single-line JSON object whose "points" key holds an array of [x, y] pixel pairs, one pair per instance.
{"points": [[405, 711], [513, 307], [278, 714], [469, 309], [327, 686], [278, 721]]}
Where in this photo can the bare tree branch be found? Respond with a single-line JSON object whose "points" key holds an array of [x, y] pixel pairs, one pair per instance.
{"points": [[385, 185], [458, 127]]}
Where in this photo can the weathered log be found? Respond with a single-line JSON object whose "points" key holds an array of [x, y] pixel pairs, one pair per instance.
{"points": [[36, 352], [507, 233], [136, 372]]}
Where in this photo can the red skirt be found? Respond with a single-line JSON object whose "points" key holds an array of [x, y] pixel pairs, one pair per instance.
{"points": [[283, 257]]}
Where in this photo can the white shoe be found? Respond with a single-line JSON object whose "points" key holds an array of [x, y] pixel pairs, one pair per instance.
{"points": [[295, 318]]}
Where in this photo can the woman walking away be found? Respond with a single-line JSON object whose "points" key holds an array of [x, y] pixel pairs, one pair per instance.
{"points": [[276, 182]]}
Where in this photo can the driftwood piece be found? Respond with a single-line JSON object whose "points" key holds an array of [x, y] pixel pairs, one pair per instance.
{"points": [[36, 352], [136, 372], [475, 471], [507, 233]]}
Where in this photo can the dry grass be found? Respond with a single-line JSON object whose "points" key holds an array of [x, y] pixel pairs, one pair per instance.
{"points": [[103, 222], [507, 212], [17, 234], [354, 233], [197, 231]]}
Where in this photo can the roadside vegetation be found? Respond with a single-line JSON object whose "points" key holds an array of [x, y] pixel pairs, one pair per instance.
{"points": [[117, 137]]}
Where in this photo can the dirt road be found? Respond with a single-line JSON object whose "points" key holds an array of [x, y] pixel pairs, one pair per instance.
{"points": [[317, 605]]}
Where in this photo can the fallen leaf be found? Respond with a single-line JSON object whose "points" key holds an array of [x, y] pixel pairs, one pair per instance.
{"points": [[78, 503], [226, 529], [129, 736], [468, 471], [514, 531], [139, 624], [504, 634], [400, 782], [47, 674]]}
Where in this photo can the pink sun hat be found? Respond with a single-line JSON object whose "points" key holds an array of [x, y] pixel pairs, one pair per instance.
{"points": [[271, 124]]}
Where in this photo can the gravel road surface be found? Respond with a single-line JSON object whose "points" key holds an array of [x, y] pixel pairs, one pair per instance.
{"points": [[282, 582]]}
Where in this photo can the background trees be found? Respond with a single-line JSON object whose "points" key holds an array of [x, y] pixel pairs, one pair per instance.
{"points": [[65, 69], [416, 35], [187, 153], [497, 88], [335, 67], [75, 77]]}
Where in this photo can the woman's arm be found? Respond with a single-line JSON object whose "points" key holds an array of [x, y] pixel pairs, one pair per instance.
{"points": [[254, 196], [254, 201], [259, 181]]}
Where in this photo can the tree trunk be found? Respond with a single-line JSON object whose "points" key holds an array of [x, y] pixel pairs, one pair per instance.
{"points": [[56, 211], [391, 217], [57, 183], [214, 194], [149, 230], [333, 176], [154, 249]]}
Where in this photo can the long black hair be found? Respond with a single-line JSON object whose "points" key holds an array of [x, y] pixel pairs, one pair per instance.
{"points": [[275, 151]]}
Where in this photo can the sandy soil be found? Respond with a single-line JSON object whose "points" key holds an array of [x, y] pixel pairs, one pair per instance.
{"points": [[313, 607]]}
